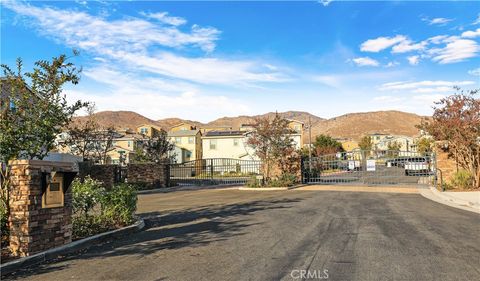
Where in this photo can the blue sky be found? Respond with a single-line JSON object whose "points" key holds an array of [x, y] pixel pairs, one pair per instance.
{"points": [[204, 60]]}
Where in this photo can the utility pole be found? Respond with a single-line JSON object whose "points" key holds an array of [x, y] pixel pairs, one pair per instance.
{"points": [[310, 145]]}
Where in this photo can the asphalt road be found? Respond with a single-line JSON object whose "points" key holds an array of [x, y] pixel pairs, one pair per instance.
{"points": [[245, 235]]}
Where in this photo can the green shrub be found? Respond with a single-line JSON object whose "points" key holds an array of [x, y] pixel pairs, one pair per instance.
{"points": [[85, 226], [462, 179], [97, 210], [86, 195], [5, 230], [119, 204], [285, 180], [253, 182]]}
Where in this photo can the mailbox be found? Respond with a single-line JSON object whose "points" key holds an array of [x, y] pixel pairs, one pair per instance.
{"points": [[54, 186]]}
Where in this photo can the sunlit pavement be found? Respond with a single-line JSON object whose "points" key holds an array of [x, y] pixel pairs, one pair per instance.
{"points": [[245, 235]]}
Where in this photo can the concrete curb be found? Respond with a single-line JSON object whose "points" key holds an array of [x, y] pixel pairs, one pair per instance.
{"points": [[433, 194], [183, 188], [78, 245], [263, 188]]}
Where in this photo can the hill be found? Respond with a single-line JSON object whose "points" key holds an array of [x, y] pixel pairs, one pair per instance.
{"points": [[352, 125]]}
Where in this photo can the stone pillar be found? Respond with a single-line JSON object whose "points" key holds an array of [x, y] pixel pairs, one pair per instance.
{"points": [[35, 223]]}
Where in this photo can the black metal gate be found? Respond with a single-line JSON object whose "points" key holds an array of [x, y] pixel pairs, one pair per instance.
{"points": [[371, 167], [214, 171]]}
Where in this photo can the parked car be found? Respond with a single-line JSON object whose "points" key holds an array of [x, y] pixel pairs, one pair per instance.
{"points": [[396, 162], [419, 166]]}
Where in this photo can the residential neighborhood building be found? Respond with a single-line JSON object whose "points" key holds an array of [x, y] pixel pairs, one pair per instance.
{"points": [[227, 144], [148, 130], [348, 144], [215, 128], [188, 144], [297, 136], [183, 127]]}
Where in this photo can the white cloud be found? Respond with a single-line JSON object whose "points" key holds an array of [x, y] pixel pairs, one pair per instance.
{"points": [[325, 3], [408, 46], [381, 43], [424, 86], [165, 18], [428, 99], [474, 72], [154, 97], [79, 29], [413, 60], [456, 50], [437, 21], [477, 21], [138, 43], [392, 64], [471, 34], [365, 61]]}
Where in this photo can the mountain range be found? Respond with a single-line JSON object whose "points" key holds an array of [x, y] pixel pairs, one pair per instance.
{"points": [[352, 125]]}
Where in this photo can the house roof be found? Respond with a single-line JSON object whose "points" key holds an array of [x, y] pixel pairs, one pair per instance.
{"points": [[296, 121], [183, 123], [224, 133], [149, 125], [183, 133]]}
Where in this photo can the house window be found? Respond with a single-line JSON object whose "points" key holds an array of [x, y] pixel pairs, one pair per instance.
{"points": [[12, 107], [235, 142], [178, 140], [297, 128], [129, 143], [191, 140], [213, 144], [143, 131]]}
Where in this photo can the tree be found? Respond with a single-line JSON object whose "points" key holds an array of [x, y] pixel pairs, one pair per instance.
{"points": [[33, 114], [272, 143], [81, 135], [456, 120], [365, 143], [156, 149], [103, 143], [424, 145], [393, 148], [326, 145]]}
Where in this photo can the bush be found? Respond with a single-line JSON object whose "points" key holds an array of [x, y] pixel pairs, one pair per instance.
{"points": [[253, 182], [85, 226], [462, 179], [97, 210], [285, 180], [119, 204], [86, 195]]}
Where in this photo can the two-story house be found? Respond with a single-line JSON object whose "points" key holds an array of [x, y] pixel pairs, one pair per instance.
{"points": [[188, 144]]}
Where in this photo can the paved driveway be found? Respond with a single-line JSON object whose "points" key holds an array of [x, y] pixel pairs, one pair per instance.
{"points": [[243, 235]]}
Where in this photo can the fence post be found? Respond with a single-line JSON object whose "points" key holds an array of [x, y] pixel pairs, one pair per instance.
{"points": [[302, 180], [211, 171]]}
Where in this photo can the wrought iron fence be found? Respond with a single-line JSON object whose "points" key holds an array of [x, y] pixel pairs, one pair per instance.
{"points": [[214, 171], [371, 167]]}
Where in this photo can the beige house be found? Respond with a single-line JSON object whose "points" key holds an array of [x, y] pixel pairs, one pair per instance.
{"points": [[215, 128], [148, 130], [183, 127], [189, 142], [227, 144], [298, 127], [406, 143]]}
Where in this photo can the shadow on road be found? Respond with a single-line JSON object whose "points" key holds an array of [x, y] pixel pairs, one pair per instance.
{"points": [[172, 230]]}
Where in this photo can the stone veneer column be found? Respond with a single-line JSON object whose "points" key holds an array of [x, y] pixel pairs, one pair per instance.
{"points": [[33, 228]]}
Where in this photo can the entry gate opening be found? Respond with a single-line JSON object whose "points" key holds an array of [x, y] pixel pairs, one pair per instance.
{"points": [[371, 168], [214, 171]]}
